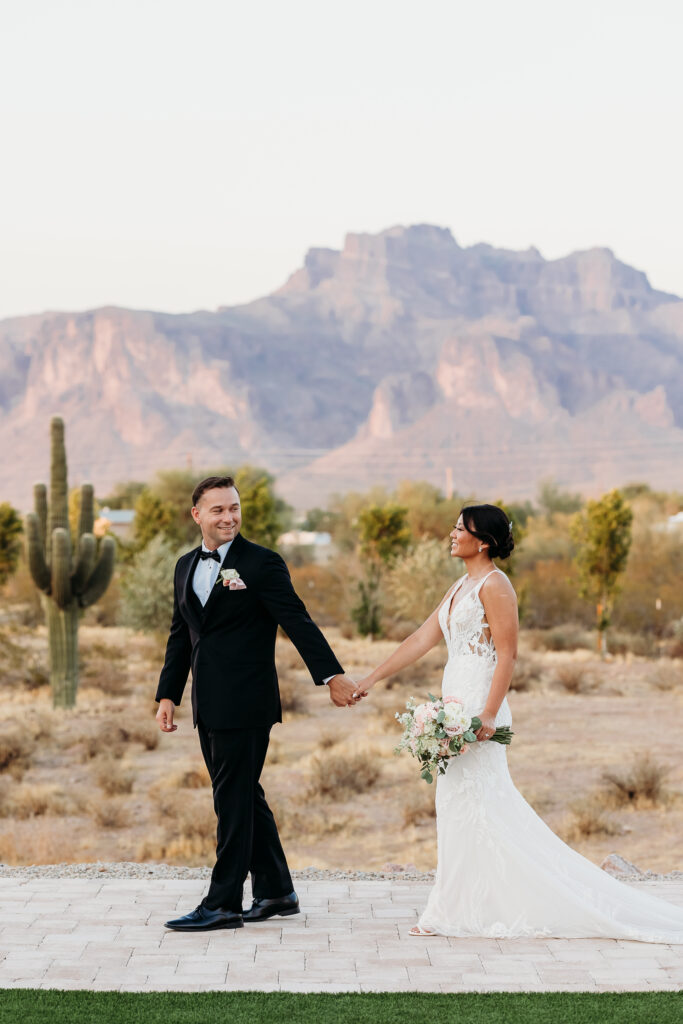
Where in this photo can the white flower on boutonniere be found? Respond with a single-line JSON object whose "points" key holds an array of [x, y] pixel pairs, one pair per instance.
{"points": [[232, 579]]}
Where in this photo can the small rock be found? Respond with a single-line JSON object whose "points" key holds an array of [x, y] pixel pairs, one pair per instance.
{"points": [[616, 865]]}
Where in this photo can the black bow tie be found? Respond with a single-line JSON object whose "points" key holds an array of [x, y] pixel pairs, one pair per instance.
{"points": [[210, 554]]}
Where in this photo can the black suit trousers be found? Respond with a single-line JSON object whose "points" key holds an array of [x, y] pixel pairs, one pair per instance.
{"points": [[247, 836]]}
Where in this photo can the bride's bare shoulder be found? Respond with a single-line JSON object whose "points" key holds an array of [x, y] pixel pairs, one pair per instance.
{"points": [[498, 584]]}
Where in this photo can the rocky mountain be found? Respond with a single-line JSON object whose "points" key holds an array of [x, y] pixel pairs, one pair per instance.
{"points": [[402, 355]]}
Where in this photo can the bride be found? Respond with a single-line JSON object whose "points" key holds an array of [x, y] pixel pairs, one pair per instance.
{"points": [[501, 872]]}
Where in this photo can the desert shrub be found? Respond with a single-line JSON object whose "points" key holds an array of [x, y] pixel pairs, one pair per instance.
{"points": [[642, 784], [419, 807], [527, 673], [188, 827], [323, 591], [113, 777], [549, 593], [666, 675], [307, 827], [422, 677], [292, 695], [590, 819], [111, 738], [147, 587], [569, 637], [32, 801], [335, 776], [17, 745], [328, 739], [642, 644], [21, 665], [22, 597], [418, 580], [574, 678], [110, 813]]}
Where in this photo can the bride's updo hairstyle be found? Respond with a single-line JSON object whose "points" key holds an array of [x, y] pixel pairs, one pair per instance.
{"points": [[490, 525]]}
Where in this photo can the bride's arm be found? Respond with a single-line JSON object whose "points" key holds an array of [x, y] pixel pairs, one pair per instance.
{"points": [[500, 605], [410, 650]]}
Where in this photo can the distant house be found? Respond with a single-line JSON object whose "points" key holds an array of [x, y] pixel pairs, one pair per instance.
{"points": [[675, 522], [319, 542], [118, 521]]}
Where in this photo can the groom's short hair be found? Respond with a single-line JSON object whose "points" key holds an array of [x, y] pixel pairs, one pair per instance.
{"points": [[210, 482]]}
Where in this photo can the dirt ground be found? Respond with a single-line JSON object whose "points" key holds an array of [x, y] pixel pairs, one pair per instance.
{"points": [[102, 783]]}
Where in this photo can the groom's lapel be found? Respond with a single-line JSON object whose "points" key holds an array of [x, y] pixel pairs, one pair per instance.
{"points": [[187, 594], [228, 563]]}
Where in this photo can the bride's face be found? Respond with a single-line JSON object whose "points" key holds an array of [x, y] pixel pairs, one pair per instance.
{"points": [[463, 544]]}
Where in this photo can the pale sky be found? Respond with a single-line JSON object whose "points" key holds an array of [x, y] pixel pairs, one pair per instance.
{"points": [[180, 155]]}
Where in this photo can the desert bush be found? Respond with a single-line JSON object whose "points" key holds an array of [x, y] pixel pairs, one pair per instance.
{"points": [[188, 831], [292, 695], [328, 739], [113, 777], [110, 813], [323, 591], [22, 598], [666, 676], [642, 784], [112, 738], [590, 819], [569, 637], [32, 801], [574, 678], [418, 580], [641, 644], [419, 807], [336, 776], [17, 744], [147, 587], [307, 827], [22, 666], [527, 673], [548, 592]]}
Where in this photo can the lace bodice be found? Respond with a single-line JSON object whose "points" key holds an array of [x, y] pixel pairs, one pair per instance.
{"points": [[463, 623]]}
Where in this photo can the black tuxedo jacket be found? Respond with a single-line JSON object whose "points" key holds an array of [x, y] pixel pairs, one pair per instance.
{"points": [[230, 642]]}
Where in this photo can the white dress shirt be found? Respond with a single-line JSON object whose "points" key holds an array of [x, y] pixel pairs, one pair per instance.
{"points": [[206, 573]]}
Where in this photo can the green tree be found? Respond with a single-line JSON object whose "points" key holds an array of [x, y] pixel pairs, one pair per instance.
{"points": [[264, 515], [382, 533], [153, 516], [10, 544], [602, 534], [552, 499], [124, 494]]}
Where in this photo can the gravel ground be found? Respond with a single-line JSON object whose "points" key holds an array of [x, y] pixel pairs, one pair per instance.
{"points": [[128, 869]]}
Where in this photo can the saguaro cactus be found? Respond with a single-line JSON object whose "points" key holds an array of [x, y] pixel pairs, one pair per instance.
{"points": [[69, 580]]}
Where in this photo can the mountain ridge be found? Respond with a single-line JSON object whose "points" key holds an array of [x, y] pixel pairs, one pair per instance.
{"points": [[401, 354]]}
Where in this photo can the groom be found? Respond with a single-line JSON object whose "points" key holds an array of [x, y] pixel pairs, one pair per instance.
{"points": [[229, 596]]}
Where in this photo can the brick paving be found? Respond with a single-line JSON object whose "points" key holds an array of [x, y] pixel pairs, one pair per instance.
{"points": [[351, 937]]}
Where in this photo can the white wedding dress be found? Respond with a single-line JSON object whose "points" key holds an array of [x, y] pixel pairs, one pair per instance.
{"points": [[501, 871]]}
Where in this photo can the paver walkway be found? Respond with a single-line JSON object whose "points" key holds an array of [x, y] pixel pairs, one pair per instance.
{"points": [[350, 937]]}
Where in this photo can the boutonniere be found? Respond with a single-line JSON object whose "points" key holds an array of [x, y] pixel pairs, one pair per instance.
{"points": [[232, 579]]}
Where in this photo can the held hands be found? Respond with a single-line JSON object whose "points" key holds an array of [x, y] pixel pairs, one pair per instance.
{"points": [[164, 715], [344, 692]]}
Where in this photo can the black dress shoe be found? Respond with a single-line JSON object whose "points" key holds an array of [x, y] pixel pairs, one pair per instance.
{"points": [[261, 910], [203, 920]]}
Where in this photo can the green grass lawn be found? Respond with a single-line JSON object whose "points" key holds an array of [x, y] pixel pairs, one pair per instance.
{"points": [[35, 1006]]}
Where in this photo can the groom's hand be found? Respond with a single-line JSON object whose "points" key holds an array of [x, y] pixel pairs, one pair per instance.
{"points": [[164, 715], [342, 690]]}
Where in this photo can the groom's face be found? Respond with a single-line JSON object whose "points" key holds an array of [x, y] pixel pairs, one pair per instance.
{"points": [[219, 515]]}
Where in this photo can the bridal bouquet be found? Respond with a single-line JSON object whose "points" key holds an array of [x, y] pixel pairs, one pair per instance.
{"points": [[438, 730]]}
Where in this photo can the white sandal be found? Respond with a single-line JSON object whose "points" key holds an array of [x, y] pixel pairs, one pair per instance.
{"points": [[417, 930]]}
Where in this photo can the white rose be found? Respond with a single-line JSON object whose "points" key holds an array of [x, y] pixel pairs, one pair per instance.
{"points": [[456, 721]]}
